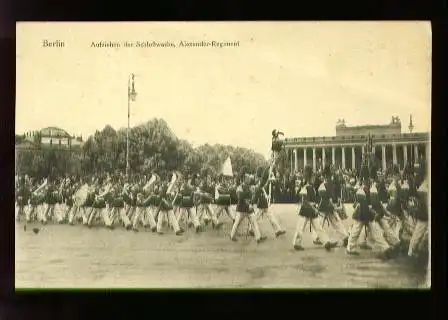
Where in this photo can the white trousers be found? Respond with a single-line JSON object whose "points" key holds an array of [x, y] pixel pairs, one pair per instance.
{"points": [[390, 236], [302, 223], [239, 217], [59, 212], [120, 214], [336, 223], [31, 212], [171, 218], [47, 212], [74, 211], [261, 213], [220, 209], [145, 216], [418, 236], [373, 232], [189, 215], [206, 211]]}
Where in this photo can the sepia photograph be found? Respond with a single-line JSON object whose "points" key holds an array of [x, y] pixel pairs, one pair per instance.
{"points": [[223, 155]]}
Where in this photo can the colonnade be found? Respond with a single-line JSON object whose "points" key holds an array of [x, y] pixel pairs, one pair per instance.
{"points": [[351, 156]]}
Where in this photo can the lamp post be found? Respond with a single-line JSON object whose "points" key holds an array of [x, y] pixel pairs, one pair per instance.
{"points": [[132, 94]]}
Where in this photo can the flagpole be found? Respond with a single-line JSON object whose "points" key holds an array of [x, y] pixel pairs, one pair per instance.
{"points": [[127, 131], [131, 96]]}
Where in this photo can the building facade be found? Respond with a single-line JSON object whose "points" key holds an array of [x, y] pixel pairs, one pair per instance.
{"points": [[345, 149], [50, 137]]}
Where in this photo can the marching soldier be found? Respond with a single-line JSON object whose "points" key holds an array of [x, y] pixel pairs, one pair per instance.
{"points": [[244, 210], [308, 214], [35, 202], [117, 203], [23, 195], [364, 217], [223, 198], [144, 199], [166, 208], [186, 212], [99, 205], [422, 217], [380, 215], [409, 203], [327, 209], [51, 198], [260, 198], [205, 205], [126, 194]]}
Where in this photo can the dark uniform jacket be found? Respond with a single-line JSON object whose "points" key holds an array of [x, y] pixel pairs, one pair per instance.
{"points": [[223, 193], [244, 196], [307, 208], [164, 203], [260, 198], [187, 196]]}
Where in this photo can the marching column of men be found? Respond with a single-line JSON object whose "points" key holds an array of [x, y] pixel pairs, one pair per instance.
{"points": [[392, 214]]}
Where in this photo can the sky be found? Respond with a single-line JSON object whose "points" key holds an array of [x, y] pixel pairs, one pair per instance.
{"points": [[298, 77]]}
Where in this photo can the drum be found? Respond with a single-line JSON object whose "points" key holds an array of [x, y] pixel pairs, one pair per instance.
{"points": [[118, 202], [99, 203], [223, 200], [187, 202]]}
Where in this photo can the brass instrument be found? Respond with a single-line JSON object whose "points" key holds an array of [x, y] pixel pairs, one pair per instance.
{"points": [[41, 188], [150, 183]]}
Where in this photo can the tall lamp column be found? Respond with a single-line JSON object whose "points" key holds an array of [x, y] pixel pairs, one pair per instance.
{"points": [[132, 94]]}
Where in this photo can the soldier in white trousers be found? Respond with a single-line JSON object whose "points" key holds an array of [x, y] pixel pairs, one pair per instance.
{"points": [[261, 200], [380, 216], [327, 210], [186, 207], [422, 217], [364, 216], [143, 214], [308, 215], [166, 208], [244, 210], [223, 199]]}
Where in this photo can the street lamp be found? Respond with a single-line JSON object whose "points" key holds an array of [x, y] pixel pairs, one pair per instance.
{"points": [[132, 94]]}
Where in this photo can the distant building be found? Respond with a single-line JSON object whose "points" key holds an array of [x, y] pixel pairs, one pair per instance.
{"points": [[345, 150], [50, 137]]}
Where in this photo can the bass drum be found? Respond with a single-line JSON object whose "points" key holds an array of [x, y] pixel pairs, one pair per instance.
{"points": [[224, 200]]}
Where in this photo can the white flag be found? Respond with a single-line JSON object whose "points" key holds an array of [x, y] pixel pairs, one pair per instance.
{"points": [[226, 168]]}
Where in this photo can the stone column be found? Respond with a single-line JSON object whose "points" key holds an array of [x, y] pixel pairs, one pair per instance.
{"points": [[343, 157], [405, 154], [416, 153], [383, 157], [314, 159], [333, 156], [291, 159], [394, 154], [353, 158], [304, 157], [296, 159], [323, 157]]}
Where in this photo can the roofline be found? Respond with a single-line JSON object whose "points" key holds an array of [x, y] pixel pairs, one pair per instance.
{"points": [[56, 128], [370, 126]]}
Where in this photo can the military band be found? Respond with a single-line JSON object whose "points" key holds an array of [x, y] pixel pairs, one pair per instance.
{"points": [[390, 210]]}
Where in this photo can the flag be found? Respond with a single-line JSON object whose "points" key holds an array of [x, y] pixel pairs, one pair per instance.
{"points": [[226, 168]]}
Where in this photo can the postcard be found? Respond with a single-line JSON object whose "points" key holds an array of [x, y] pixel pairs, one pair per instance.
{"points": [[223, 155]]}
